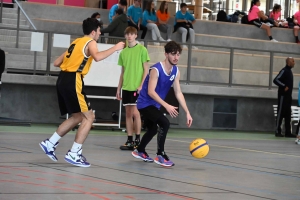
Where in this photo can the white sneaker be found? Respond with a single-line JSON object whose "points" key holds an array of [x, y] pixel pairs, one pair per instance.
{"points": [[161, 39], [156, 43], [169, 40], [49, 149], [184, 47], [297, 141], [273, 40], [195, 48], [77, 159]]}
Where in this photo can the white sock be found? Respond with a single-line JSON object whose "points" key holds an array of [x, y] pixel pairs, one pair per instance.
{"points": [[54, 138], [76, 147]]}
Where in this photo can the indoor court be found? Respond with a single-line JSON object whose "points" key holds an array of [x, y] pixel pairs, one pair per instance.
{"points": [[239, 166]]}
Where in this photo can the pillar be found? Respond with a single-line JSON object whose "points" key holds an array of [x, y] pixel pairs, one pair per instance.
{"points": [[198, 9]]}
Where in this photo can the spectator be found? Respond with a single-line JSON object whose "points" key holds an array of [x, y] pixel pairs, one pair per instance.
{"points": [[184, 25], [135, 15], [255, 16], [276, 15], [296, 25], [284, 81], [150, 20], [163, 18], [112, 12], [97, 16], [117, 27]]}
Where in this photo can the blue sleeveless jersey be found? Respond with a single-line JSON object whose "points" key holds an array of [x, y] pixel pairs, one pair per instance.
{"points": [[163, 86]]}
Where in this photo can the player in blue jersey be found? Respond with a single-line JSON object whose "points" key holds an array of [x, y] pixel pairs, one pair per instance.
{"points": [[156, 86]]}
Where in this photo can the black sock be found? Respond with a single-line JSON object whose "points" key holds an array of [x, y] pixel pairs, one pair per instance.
{"points": [[271, 38], [297, 40], [129, 139], [137, 137]]}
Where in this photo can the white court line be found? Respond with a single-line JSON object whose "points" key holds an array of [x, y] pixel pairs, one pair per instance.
{"points": [[251, 150]]}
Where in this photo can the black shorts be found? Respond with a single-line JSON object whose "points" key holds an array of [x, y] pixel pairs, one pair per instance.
{"points": [[129, 97], [256, 23], [70, 93], [151, 113]]}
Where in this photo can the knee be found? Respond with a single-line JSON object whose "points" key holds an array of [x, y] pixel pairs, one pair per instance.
{"points": [[296, 27], [136, 114]]}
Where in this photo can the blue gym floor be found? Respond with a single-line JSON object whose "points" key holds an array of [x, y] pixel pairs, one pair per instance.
{"points": [[239, 166]]}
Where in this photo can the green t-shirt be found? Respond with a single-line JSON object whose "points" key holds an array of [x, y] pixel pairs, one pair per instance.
{"points": [[132, 59]]}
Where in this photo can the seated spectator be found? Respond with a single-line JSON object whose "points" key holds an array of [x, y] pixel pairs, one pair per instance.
{"points": [[150, 20], [117, 27], [97, 16], [255, 16], [276, 16], [135, 15], [112, 12], [163, 18], [296, 25], [184, 25]]}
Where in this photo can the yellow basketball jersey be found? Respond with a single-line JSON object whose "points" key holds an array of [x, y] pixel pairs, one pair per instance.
{"points": [[75, 59]]}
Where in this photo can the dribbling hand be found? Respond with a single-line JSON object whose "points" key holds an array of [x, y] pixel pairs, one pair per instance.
{"points": [[189, 120]]}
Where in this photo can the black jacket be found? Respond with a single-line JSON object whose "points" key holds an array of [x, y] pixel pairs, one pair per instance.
{"points": [[284, 79], [117, 27]]}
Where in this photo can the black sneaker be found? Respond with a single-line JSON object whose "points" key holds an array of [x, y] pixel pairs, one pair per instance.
{"points": [[136, 143], [127, 146]]}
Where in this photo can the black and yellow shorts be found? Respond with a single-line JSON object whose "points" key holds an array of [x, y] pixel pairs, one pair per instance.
{"points": [[70, 92]]}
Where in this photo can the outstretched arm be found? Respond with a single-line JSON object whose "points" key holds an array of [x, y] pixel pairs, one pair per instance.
{"points": [[181, 100], [93, 50]]}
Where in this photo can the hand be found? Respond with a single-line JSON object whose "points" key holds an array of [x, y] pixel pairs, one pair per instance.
{"points": [[120, 46], [139, 89], [118, 95], [286, 89], [296, 21], [189, 120], [172, 110]]}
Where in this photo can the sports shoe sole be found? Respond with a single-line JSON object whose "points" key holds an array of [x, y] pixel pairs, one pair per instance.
{"points": [[139, 157], [126, 148], [76, 164], [164, 165], [50, 156]]}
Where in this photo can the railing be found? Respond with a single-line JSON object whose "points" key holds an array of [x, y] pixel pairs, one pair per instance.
{"points": [[230, 51]]}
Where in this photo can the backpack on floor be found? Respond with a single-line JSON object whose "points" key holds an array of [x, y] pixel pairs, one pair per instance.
{"points": [[244, 19]]}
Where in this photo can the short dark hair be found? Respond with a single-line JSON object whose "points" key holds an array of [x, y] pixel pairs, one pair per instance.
{"points": [[183, 5], [123, 2], [120, 11], [89, 25], [173, 47], [94, 15]]}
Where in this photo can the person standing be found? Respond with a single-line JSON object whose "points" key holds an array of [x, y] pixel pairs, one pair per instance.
{"points": [[158, 82], [133, 60], [284, 81], [135, 15], [75, 63]]}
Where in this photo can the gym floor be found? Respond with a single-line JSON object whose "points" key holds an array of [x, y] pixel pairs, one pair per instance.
{"points": [[239, 166]]}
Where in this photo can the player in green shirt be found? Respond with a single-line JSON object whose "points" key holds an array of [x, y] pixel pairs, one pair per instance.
{"points": [[133, 60]]}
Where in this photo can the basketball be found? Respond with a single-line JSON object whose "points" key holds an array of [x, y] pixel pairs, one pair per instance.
{"points": [[199, 148]]}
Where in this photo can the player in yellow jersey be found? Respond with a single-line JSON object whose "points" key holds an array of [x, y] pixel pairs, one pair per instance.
{"points": [[74, 64]]}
